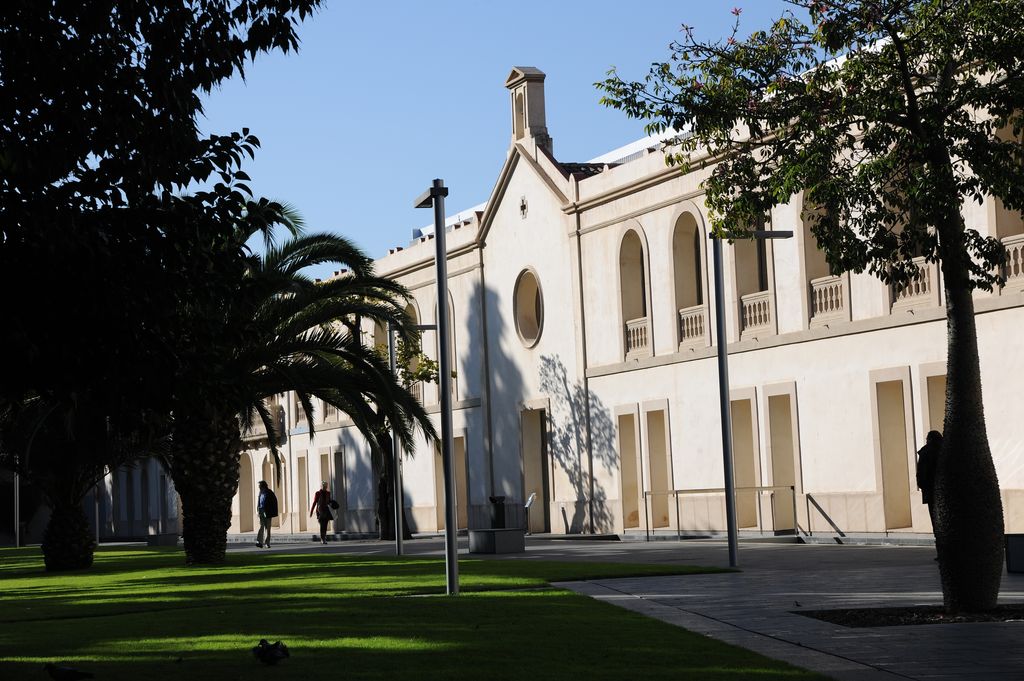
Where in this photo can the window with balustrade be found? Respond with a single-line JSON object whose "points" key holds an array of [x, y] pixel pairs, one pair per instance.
{"points": [[1009, 228], [414, 318], [688, 268], [755, 313], [452, 354], [633, 297], [828, 294]]}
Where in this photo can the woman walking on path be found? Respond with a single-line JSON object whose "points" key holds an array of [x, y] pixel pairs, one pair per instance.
{"points": [[322, 507]]}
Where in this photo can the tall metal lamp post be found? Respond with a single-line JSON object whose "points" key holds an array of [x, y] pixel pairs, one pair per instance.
{"points": [[396, 454], [435, 197], [723, 383]]}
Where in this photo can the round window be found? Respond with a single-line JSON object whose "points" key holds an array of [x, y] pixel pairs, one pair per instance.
{"points": [[529, 308]]}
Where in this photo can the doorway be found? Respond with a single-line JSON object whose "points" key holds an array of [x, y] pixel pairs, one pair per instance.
{"points": [[660, 466], [782, 444], [246, 495], [744, 454], [461, 484], [936, 387], [893, 453], [536, 469], [630, 482], [339, 489], [303, 494]]}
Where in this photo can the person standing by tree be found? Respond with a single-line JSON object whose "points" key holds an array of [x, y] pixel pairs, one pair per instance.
{"points": [[322, 506], [927, 460], [266, 507]]}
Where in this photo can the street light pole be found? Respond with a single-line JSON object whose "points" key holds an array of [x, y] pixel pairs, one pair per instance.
{"points": [[724, 404], [396, 474], [723, 385], [435, 197]]}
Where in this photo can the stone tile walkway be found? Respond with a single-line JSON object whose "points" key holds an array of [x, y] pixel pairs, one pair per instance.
{"points": [[759, 607]]}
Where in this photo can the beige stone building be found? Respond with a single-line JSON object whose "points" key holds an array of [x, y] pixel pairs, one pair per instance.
{"points": [[583, 327]]}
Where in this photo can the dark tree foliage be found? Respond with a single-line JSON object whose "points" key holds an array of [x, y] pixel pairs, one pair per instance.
{"points": [[886, 116], [98, 248]]}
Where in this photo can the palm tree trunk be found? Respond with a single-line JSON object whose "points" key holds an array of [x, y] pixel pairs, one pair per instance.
{"points": [[68, 542], [204, 467], [969, 512]]}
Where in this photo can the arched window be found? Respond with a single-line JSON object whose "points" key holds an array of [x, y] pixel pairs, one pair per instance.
{"points": [[688, 272], [414, 318], [1009, 228], [633, 296], [452, 353], [828, 294]]}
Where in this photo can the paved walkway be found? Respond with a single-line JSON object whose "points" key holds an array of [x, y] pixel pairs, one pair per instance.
{"points": [[758, 607]]}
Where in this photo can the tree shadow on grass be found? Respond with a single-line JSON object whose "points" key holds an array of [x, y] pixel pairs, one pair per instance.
{"points": [[536, 634]]}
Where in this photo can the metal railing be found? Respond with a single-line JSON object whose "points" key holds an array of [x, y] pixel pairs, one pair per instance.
{"points": [[758, 490]]}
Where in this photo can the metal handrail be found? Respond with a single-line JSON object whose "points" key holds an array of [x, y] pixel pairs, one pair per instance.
{"points": [[717, 490]]}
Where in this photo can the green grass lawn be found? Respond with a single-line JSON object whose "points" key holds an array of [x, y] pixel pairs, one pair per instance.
{"points": [[140, 614]]}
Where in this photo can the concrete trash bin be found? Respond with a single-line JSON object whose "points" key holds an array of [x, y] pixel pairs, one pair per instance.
{"points": [[497, 513]]}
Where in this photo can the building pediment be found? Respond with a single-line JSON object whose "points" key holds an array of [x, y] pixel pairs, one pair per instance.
{"points": [[521, 74]]}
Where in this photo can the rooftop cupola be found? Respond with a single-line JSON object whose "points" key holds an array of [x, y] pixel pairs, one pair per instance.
{"points": [[526, 86]]}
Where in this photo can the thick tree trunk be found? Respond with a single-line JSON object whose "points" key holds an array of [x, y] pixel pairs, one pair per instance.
{"points": [[969, 512], [68, 542], [205, 473]]}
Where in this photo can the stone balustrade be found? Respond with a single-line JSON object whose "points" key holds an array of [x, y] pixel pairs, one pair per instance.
{"points": [[638, 337], [1013, 270], [755, 312], [828, 299], [920, 291], [692, 325]]}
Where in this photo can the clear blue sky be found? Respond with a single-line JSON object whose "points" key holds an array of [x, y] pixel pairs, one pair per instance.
{"points": [[385, 96]]}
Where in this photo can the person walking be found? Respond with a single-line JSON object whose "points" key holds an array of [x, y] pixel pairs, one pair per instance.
{"points": [[266, 507], [927, 459], [322, 507]]}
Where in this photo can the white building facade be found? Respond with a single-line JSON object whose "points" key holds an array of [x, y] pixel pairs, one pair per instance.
{"points": [[582, 310]]}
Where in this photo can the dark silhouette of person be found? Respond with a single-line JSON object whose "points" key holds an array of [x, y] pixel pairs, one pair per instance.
{"points": [[927, 459]]}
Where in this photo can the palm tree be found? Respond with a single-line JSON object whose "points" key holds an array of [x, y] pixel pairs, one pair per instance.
{"points": [[283, 331]]}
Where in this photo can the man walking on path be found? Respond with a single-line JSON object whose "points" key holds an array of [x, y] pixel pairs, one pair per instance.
{"points": [[266, 507]]}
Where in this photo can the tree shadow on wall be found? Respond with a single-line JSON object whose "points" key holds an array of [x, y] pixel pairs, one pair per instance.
{"points": [[568, 444], [500, 381]]}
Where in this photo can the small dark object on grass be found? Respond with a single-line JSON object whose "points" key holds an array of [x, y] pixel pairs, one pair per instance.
{"points": [[270, 653], [60, 673]]}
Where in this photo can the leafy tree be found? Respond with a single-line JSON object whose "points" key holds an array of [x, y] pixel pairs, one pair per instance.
{"points": [[279, 331], [886, 116], [98, 108]]}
